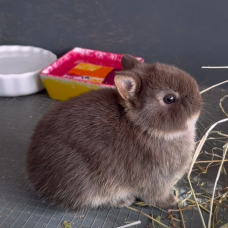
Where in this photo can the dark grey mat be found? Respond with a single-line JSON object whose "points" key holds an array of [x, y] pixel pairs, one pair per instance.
{"points": [[19, 207]]}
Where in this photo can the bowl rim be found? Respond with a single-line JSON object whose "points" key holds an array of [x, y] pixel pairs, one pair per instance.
{"points": [[26, 48]]}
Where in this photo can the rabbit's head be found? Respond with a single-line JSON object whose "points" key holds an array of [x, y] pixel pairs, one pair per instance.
{"points": [[159, 98]]}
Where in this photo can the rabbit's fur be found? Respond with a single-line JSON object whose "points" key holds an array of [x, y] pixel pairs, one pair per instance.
{"points": [[107, 147]]}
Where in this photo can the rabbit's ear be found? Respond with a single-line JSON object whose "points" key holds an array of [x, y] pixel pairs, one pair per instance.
{"points": [[129, 62], [126, 86]]}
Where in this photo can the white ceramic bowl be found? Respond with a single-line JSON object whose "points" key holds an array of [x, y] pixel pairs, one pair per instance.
{"points": [[20, 67]]}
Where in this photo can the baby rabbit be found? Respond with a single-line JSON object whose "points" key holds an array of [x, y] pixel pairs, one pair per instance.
{"points": [[110, 146]]}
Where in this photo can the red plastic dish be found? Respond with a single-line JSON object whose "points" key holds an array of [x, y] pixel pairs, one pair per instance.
{"points": [[61, 86]]}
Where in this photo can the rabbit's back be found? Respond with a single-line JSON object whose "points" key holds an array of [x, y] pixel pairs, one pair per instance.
{"points": [[77, 147]]}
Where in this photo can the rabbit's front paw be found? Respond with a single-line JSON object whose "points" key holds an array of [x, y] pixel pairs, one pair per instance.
{"points": [[169, 201], [123, 202]]}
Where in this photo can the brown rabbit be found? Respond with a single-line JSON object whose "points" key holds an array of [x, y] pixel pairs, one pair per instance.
{"points": [[107, 147]]}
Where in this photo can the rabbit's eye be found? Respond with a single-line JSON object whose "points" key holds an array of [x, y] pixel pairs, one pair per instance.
{"points": [[168, 99]]}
